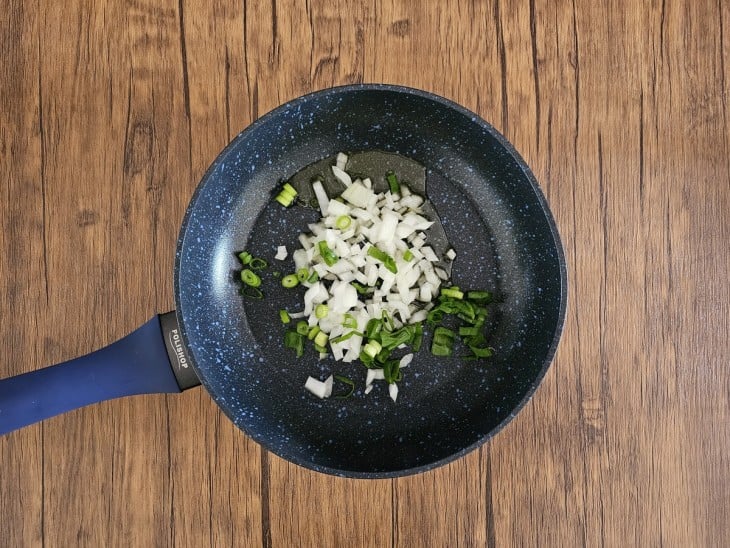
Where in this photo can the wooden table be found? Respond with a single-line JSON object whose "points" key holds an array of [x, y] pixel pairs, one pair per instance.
{"points": [[111, 111]]}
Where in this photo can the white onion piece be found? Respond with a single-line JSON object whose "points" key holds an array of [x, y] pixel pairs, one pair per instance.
{"points": [[451, 254], [429, 254], [341, 161], [425, 294], [419, 316], [300, 259], [342, 175], [374, 375], [368, 389], [405, 361], [321, 389], [337, 208], [393, 391], [322, 198], [441, 273], [358, 195], [281, 253]]}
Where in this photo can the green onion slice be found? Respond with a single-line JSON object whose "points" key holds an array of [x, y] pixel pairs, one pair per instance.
{"points": [[295, 341], [302, 327], [258, 264], [346, 336], [250, 278], [328, 255], [343, 222], [349, 383], [252, 292], [321, 311], [384, 258], [393, 182]]}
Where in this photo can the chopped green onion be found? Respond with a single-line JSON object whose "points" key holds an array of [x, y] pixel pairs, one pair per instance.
{"points": [[328, 255], [468, 331], [313, 332], [482, 352], [391, 371], [290, 281], [366, 359], [302, 275], [284, 315], [384, 258], [320, 349], [295, 341], [391, 340], [479, 295], [321, 311], [443, 342], [349, 383], [287, 195], [290, 189], [258, 264], [346, 336], [440, 349], [408, 255], [452, 292], [349, 321], [417, 337], [373, 328], [387, 320], [372, 348], [343, 222], [321, 339], [302, 327], [245, 257], [361, 289], [443, 333], [313, 277], [252, 292], [393, 182], [250, 278], [276, 274]]}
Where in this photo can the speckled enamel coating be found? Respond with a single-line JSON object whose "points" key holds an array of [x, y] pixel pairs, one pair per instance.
{"points": [[494, 215]]}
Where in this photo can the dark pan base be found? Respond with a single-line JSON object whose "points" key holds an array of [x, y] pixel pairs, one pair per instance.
{"points": [[494, 216]]}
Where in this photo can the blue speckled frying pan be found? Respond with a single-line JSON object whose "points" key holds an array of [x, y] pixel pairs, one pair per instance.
{"points": [[494, 216]]}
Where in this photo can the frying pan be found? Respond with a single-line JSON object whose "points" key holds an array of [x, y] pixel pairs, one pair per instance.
{"points": [[495, 217]]}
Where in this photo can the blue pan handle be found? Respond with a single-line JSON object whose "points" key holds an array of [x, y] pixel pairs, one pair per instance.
{"points": [[150, 360]]}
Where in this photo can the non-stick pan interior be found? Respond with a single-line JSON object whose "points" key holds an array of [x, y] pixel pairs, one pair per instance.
{"points": [[495, 218]]}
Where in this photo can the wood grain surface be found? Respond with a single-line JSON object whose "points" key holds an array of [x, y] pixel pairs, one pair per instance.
{"points": [[111, 111]]}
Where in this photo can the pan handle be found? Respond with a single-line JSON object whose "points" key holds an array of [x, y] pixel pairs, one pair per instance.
{"points": [[150, 360]]}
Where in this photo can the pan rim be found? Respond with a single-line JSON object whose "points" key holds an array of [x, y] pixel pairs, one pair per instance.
{"points": [[509, 148]]}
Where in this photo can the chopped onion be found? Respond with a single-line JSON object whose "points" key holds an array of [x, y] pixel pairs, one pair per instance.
{"points": [[342, 175], [321, 389], [358, 250], [393, 391], [374, 375], [358, 195], [322, 198], [281, 253]]}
